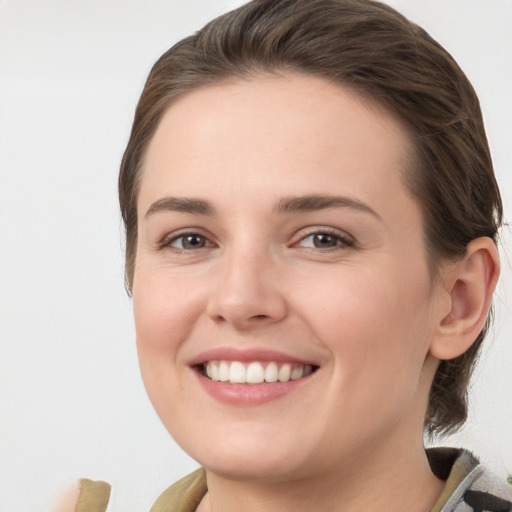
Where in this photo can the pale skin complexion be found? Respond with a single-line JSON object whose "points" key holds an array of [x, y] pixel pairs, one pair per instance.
{"points": [[273, 216]]}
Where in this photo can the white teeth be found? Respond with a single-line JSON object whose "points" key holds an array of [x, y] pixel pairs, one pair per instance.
{"points": [[271, 373], [285, 373], [223, 371], [237, 372], [297, 372], [255, 373]]}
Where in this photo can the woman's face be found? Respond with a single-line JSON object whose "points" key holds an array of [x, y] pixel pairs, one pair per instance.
{"points": [[277, 241]]}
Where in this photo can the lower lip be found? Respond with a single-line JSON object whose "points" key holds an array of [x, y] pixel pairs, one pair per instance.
{"points": [[249, 394]]}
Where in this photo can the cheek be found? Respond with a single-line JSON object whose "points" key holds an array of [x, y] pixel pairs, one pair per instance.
{"points": [[162, 323], [164, 310], [163, 319], [372, 320]]}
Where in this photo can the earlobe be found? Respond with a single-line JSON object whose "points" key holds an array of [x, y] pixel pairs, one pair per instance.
{"points": [[470, 284]]}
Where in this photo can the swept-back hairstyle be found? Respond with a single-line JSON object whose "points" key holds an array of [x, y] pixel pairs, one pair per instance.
{"points": [[371, 48]]}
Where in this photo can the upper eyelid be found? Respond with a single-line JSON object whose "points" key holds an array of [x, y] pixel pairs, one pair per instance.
{"points": [[342, 243], [299, 235], [168, 238], [312, 230]]}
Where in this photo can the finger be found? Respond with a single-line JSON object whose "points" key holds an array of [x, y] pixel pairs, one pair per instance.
{"points": [[94, 496], [68, 500]]}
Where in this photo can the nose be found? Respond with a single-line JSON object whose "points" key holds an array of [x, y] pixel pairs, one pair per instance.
{"points": [[247, 292]]}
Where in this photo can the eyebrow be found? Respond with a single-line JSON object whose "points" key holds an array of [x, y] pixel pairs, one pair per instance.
{"points": [[285, 205], [181, 204], [320, 202]]}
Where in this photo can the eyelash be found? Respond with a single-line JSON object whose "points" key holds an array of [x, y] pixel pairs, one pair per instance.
{"points": [[342, 240], [168, 240]]}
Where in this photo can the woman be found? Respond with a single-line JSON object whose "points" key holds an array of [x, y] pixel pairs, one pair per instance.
{"points": [[311, 217]]}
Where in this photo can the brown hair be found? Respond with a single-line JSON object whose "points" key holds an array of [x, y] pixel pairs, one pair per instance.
{"points": [[371, 48]]}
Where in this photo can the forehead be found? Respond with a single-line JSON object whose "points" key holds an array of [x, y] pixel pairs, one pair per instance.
{"points": [[275, 128]]}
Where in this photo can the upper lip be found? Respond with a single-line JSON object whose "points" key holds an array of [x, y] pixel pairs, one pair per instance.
{"points": [[245, 355]]}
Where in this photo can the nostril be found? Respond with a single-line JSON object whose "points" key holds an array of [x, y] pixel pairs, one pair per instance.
{"points": [[259, 317], [246, 307]]}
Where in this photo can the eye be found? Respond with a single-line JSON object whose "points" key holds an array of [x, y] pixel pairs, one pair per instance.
{"points": [[186, 242], [325, 240]]}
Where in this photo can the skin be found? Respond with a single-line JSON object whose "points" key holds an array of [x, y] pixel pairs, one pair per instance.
{"points": [[68, 500], [364, 310]]}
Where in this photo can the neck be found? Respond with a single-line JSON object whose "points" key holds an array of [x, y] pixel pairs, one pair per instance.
{"points": [[383, 478]]}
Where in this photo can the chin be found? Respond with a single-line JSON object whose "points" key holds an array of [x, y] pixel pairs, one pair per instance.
{"points": [[252, 458], [255, 468]]}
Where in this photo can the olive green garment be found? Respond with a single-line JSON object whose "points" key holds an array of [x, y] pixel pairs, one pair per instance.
{"points": [[184, 496], [469, 488], [94, 496]]}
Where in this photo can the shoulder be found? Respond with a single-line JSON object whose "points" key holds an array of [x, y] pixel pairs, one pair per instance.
{"points": [[184, 495], [489, 492], [469, 487]]}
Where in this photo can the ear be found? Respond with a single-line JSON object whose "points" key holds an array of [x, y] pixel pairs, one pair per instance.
{"points": [[469, 284]]}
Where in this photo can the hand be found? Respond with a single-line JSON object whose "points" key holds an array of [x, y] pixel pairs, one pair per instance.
{"points": [[84, 496]]}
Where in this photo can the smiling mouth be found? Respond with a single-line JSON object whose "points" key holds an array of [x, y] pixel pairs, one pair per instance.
{"points": [[237, 372]]}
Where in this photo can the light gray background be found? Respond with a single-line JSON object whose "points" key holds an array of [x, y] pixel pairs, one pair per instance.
{"points": [[72, 402]]}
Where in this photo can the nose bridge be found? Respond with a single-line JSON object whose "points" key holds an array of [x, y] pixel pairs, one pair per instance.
{"points": [[246, 290]]}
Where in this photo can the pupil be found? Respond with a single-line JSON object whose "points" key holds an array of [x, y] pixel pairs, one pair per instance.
{"points": [[193, 242], [323, 240]]}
